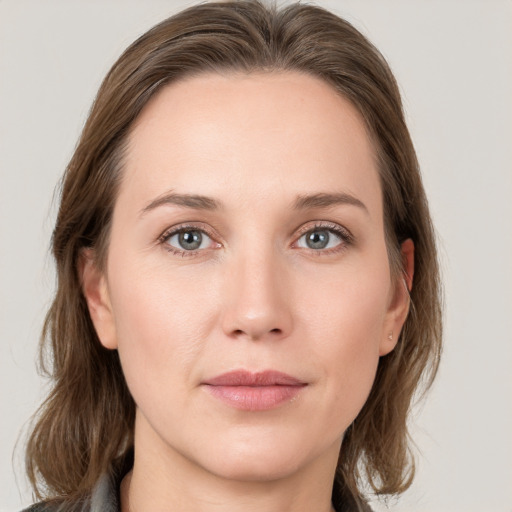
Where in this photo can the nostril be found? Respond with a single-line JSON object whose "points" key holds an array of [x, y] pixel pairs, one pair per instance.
{"points": [[237, 333]]}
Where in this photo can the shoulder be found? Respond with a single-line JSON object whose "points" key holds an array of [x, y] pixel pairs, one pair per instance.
{"points": [[38, 507], [47, 507], [59, 506], [42, 507], [104, 497]]}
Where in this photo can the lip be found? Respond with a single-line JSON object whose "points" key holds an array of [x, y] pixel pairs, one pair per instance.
{"points": [[259, 391]]}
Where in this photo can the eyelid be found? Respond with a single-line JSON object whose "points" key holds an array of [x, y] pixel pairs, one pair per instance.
{"points": [[329, 225], [342, 232], [187, 226]]}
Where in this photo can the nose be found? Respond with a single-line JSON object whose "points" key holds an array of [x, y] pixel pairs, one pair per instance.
{"points": [[258, 302]]}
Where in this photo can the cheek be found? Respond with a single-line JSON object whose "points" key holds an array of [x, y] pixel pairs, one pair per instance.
{"points": [[346, 319], [161, 324], [350, 304]]}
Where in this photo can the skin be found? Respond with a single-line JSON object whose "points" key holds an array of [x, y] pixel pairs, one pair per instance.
{"points": [[254, 296]]}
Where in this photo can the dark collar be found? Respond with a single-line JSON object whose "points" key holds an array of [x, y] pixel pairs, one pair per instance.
{"points": [[105, 494]]}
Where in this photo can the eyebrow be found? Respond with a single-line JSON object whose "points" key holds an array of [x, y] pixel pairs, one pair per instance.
{"points": [[302, 202], [194, 201], [325, 200]]}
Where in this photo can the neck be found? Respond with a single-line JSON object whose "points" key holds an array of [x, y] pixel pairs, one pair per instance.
{"points": [[163, 479]]}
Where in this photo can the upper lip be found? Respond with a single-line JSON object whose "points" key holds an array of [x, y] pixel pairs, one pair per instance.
{"points": [[254, 379]]}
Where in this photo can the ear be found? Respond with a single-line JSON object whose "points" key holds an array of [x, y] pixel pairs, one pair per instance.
{"points": [[400, 301], [94, 288]]}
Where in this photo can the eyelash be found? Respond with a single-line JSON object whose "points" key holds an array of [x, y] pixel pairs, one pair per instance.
{"points": [[182, 228], [346, 237], [342, 233]]}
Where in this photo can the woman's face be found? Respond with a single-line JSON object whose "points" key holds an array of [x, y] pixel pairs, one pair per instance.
{"points": [[248, 288]]}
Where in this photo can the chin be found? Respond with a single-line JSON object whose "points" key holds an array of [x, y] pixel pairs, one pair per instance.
{"points": [[263, 459], [260, 468]]}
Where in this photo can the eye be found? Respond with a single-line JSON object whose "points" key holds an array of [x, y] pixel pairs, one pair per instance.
{"points": [[319, 239], [184, 240], [324, 238]]}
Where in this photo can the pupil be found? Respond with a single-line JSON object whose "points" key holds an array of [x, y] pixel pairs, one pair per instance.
{"points": [[318, 239], [190, 239]]}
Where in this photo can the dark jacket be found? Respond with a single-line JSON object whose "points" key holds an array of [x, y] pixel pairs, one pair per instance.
{"points": [[104, 498]]}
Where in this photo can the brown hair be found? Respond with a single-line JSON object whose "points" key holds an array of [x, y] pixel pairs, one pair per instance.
{"points": [[87, 421]]}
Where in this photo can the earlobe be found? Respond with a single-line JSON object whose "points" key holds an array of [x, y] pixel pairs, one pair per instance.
{"points": [[399, 306], [94, 288], [388, 343]]}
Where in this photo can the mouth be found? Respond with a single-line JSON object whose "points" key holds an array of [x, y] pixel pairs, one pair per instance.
{"points": [[258, 391]]}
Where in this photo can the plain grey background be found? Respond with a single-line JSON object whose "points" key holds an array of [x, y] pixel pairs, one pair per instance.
{"points": [[453, 60]]}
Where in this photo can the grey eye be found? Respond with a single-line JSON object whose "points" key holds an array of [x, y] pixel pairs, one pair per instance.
{"points": [[319, 239], [189, 240]]}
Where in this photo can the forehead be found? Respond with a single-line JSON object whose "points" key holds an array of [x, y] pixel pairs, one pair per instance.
{"points": [[269, 135]]}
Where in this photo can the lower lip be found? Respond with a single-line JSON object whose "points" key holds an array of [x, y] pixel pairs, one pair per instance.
{"points": [[254, 398]]}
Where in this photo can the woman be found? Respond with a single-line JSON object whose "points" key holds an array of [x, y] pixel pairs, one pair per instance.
{"points": [[248, 292]]}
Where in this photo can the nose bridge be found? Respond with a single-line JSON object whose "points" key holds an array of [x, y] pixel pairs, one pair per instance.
{"points": [[257, 306]]}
